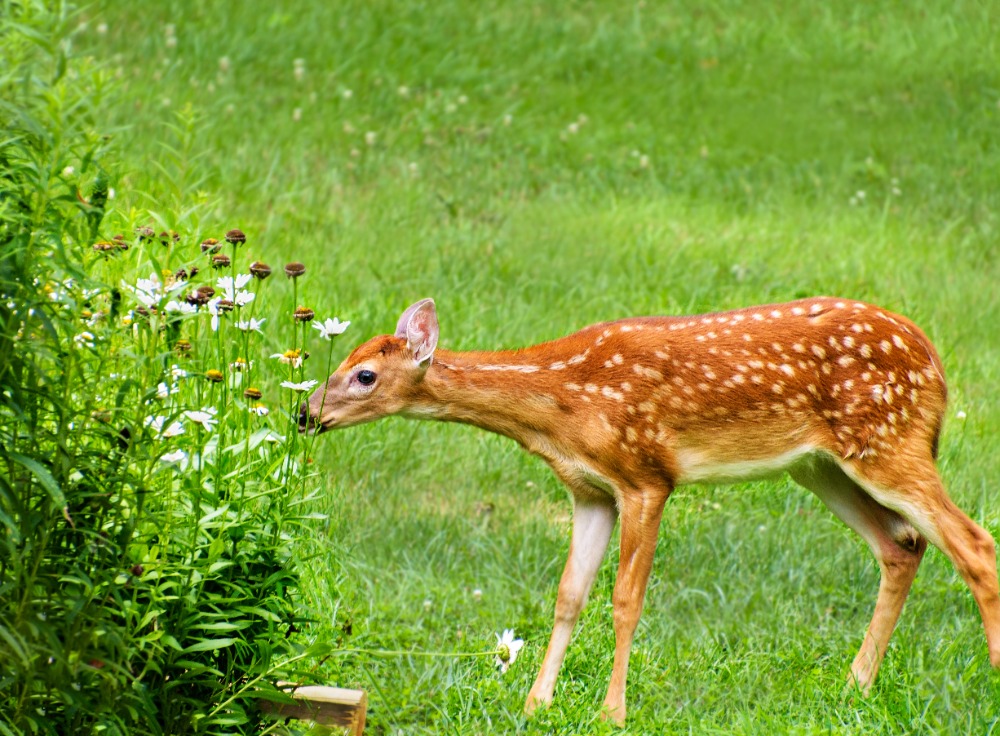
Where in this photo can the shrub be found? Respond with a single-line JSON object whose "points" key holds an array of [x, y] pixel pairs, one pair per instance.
{"points": [[153, 478]]}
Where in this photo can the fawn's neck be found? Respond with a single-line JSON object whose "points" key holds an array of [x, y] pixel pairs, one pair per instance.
{"points": [[502, 392]]}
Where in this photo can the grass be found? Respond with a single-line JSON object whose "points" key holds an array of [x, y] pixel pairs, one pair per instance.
{"points": [[549, 165]]}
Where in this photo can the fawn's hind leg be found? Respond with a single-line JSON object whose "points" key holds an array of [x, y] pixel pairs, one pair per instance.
{"points": [[914, 490], [897, 546]]}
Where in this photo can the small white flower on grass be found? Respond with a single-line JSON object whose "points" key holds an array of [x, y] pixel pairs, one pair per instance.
{"points": [[183, 307], [477, 595], [960, 415], [234, 290], [253, 325], [162, 391], [290, 357], [370, 137], [177, 457], [84, 339], [259, 409], [296, 114], [159, 425], [68, 171], [347, 94], [427, 604], [507, 649], [332, 326], [300, 387], [205, 417], [102, 28], [224, 64], [177, 372], [403, 91]]}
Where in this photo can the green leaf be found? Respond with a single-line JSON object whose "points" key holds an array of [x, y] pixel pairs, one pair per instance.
{"points": [[206, 645], [44, 477]]}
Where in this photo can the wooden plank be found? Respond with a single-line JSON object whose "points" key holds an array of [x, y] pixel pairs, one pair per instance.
{"points": [[327, 706]]}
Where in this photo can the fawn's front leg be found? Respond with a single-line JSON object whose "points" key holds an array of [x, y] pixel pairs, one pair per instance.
{"points": [[593, 522], [640, 519]]}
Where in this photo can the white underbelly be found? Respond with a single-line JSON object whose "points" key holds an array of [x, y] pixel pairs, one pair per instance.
{"points": [[702, 466]]}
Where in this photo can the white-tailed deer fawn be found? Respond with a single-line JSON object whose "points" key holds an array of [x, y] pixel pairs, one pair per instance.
{"points": [[846, 397]]}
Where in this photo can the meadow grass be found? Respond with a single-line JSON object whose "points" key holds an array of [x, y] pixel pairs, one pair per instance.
{"points": [[539, 166]]}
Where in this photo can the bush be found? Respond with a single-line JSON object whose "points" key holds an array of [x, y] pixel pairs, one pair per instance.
{"points": [[150, 493]]}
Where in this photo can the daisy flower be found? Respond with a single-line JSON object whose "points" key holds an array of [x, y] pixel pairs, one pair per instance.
{"points": [[234, 289], [507, 649], [303, 386], [332, 326], [252, 324], [159, 425], [205, 417], [183, 307], [293, 358], [177, 457]]}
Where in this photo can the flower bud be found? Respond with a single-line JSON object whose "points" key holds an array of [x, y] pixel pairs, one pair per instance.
{"points": [[260, 270], [253, 393], [214, 375], [304, 314], [225, 305], [220, 260], [236, 237], [294, 269], [210, 245]]}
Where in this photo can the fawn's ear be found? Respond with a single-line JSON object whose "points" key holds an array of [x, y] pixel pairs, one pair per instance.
{"points": [[419, 326]]}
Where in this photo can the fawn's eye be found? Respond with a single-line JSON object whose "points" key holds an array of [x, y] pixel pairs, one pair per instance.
{"points": [[366, 377]]}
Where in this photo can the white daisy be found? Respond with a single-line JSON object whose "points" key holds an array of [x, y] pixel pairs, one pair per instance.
{"points": [[205, 417], [303, 386], [234, 289], [332, 326], [183, 307], [177, 457], [507, 649], [290, 357], [252, 324]]}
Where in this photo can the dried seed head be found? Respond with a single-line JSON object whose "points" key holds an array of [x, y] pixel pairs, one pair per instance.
{"points": [[182, 346], [294, 269], [220, 260], [145, 233], [214, 375], [103, 246], [225, 305], [236, 237], [260, 270], [168, 238], [181, 275], [194, 271], [304, 314], [119, 240], [253, 393], [136, 570], [210, 245]]}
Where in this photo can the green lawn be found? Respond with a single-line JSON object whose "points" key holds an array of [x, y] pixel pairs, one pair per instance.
{"points": [[537, 166]]}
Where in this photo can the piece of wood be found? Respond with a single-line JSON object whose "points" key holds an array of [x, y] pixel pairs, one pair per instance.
{"points": [[327, 706]]}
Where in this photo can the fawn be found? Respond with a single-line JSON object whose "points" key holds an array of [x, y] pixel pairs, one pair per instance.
{"points": [[844, 396]]}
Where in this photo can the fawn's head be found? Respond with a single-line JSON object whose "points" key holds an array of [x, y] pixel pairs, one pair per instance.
{"points": [[377, 379]]}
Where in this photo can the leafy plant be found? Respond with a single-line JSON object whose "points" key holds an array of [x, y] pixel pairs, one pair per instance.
{"points": [[150, 493]]}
